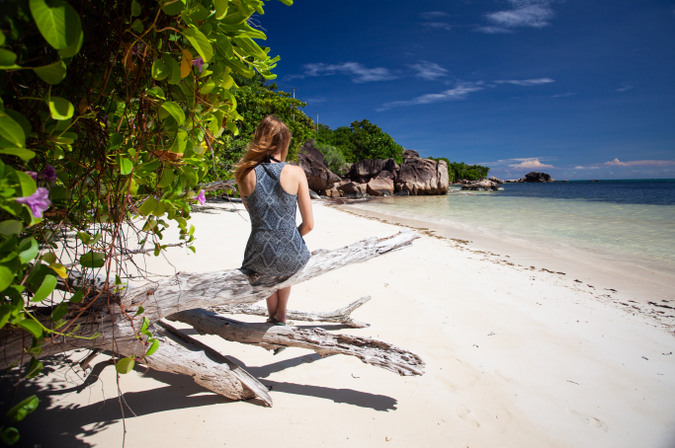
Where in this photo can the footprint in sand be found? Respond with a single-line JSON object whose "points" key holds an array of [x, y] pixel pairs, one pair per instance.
{"points": [[465, 414], [594, 422]]}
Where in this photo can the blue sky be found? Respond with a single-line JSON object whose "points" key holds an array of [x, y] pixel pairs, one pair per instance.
{"points": [[577, 89]]}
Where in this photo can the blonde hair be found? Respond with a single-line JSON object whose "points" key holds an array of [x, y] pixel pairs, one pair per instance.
{"points": [[271, 136]]}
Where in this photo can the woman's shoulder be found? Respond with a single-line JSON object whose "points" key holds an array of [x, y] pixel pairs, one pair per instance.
{"points": [[294, 170], [247, 183]]}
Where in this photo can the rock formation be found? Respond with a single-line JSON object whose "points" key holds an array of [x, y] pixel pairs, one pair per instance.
{"points": [[481, 185], [419, 176], [311, 160], [376, 177], [535, 176]]}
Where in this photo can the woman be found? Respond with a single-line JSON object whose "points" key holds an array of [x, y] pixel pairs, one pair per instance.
{"points": [[271, 190]]}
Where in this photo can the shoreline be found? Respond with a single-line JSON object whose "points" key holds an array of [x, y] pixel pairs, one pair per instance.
{"points": [[515, 358], [628, 283]]}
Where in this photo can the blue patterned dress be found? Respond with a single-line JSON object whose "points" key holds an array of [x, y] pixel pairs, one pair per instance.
{"points": [[275, 247]]}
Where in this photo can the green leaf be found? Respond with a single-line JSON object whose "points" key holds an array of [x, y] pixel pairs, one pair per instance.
{"points": [[6, 277], [175, 111], [160, 70], [20, 410], [221, 8], [156, 92], [53, 73], [167, 178], [59, 312], [125, 365], [23, 154], [59, 24], [250, 47], [9, 435], [92, 259], [175, 76], [84, 237], [74, 48], [34, 368], [11, 131], [5, 313], [148, 206], [11, 227], [173, 7], [28, 185], [287, 2], [115, 141], [45, 289], [135, 8], [200, 42], [7, 59], [32, 327], [138, 26], [28, 250], [154, 345], [126, 166], [236, 19], [145, 325], [49, 257], [77, 297], [60, 108]]}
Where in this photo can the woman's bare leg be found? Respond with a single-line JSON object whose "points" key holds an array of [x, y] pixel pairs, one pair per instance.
{"points": [[273, 304], [283, 294], [277, 303]]}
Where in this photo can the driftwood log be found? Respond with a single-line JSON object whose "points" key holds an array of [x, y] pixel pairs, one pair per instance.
{"points": [[186, 297], [339, 316]]}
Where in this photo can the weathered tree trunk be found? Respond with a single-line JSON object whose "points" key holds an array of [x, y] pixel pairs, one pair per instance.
{"points": [[339, 316], [369, 350], [116, 324], [179, 353]]}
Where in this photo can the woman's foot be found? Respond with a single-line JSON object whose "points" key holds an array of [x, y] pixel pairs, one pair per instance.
{"points": [[274, 321]]}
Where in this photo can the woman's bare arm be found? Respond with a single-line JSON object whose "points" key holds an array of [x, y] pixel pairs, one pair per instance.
{"points": [[304, 204]]}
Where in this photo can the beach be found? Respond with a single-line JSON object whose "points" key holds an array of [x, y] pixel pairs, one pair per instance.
{"points": [[517, 353]]}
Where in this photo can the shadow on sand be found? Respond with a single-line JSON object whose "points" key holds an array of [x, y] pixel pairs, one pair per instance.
{"points": [[55, 424]]}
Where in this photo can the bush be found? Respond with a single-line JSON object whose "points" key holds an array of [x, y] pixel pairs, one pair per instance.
{"points": [[333, 157]]}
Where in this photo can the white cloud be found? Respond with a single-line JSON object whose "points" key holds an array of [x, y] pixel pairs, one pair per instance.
{"points": [[458, 93], [522, 14], [617, 162], [625, 87], [527, 82], [530, 164], [358, 72], [434, 15], [435, 19], [429, 70]]}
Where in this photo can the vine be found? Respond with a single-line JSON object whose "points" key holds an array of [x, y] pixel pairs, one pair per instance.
{"points": [[110, 112]]}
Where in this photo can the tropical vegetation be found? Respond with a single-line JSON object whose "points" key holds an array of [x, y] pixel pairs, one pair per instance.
{"points": [[458, 171], [111, 115]]}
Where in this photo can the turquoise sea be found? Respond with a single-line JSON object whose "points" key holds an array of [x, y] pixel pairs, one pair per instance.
{"points": [[631, 220]]}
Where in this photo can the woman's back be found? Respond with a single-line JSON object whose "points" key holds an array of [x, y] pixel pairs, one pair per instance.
{"points": [[275, 246]]}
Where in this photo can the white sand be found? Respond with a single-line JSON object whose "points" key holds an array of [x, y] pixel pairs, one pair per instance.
{"points": [[515, 357]]}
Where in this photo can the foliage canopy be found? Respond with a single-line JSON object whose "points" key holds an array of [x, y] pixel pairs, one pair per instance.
{"points": [[362, 140], [100, 128]]}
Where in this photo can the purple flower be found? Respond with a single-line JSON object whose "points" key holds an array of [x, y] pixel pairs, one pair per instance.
{"points": [[49, 174], [32, 174], [198, 62], [38, 202], [201, 197]]}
